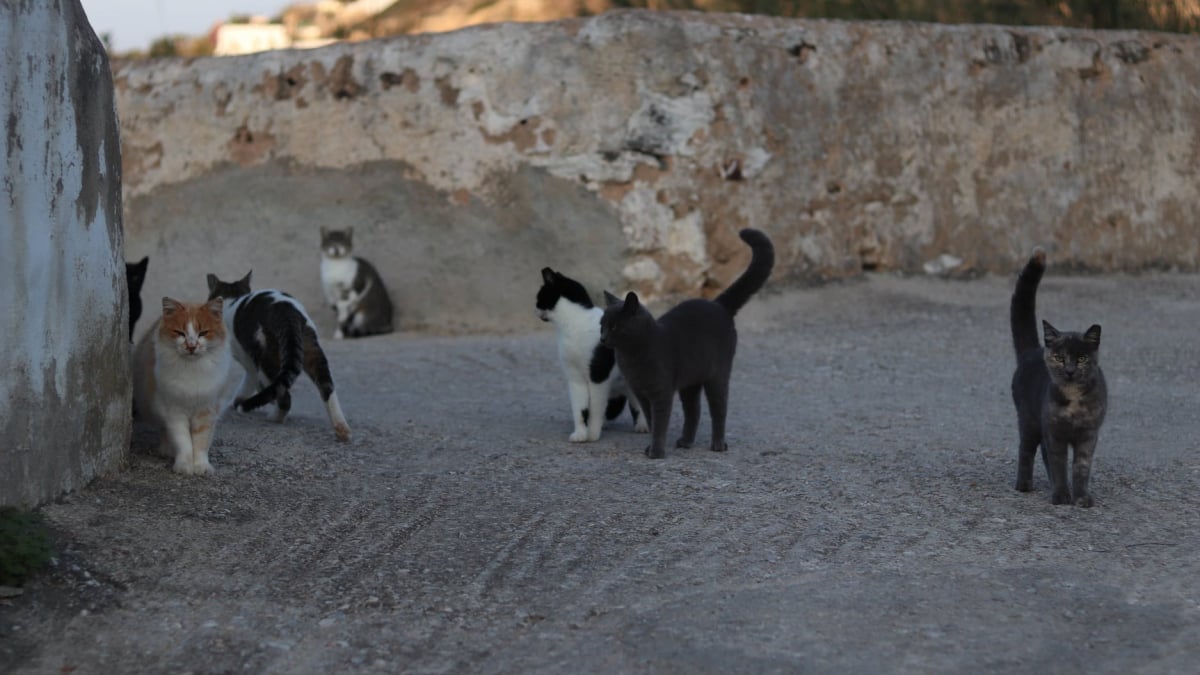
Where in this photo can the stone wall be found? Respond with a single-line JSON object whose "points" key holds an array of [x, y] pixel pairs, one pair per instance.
{"points": [[628, 149], [64, 382]]}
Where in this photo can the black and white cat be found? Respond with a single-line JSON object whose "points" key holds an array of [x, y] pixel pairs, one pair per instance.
{"points": [[135, 276], [689, 349], [1059, 391], [594, 384], [353, 288], [274, 341]]}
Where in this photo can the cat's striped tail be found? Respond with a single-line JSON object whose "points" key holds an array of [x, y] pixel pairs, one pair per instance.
{"points": [[762, 260], [1023, 310], [291, 363]]}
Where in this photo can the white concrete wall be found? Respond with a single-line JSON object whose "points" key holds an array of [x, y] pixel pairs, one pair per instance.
{"points": [[64, 383]]}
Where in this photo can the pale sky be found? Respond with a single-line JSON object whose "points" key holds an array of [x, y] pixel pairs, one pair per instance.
{"points": [[134, 24]]}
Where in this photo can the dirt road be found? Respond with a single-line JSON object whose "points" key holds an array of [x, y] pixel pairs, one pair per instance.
{"points": [[863, 520]]}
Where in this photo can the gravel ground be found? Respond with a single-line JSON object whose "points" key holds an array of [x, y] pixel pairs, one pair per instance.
{"points": [[863, 520]]}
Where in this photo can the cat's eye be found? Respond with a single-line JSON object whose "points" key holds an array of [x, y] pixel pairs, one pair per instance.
{"points": [[203, 333], [180, 333], [1057, 358], [1082, 359]]}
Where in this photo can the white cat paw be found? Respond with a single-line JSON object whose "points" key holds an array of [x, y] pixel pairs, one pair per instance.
{"points": [[337, 335], [579, 436], [594, 435], [641, 427]]}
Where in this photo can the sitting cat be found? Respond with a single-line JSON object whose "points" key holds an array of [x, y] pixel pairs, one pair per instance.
{"points": [[353, 288], [274, 340], [688, 349], [594, 384], [135, 275], [180, 366], [1059, 391]]}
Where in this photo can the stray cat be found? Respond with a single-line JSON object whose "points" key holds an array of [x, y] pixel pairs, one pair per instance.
{"points": [[688, 349], [594, 384], [353, 288], [1059, 391], [180, 366], [135, 276], [274, 340]]}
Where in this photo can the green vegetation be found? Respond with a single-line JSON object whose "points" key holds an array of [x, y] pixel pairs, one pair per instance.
{"points": [[24, 545]]}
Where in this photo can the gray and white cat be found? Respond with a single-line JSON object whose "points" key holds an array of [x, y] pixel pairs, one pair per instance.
{"points": [[594, 384], [275, 341], [689, 349], [1059, 391], [353, 288]]}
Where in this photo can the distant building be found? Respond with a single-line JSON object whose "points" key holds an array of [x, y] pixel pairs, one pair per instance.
{"points": [[246, 38]]}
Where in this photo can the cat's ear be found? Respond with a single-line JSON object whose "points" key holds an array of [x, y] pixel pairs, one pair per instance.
{"points": [[215, 306], [610, 299], [246, 279], [1051, 333], [212, 282], [171, 306], [631, 303], [1092, 336], [547, 275], [141, 265]]}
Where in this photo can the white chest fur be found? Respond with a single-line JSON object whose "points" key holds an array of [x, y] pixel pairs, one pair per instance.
{"points": [[337, 276]]}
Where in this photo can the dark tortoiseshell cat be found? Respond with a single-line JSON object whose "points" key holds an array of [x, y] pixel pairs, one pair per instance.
{"points": [[1059, 391]]}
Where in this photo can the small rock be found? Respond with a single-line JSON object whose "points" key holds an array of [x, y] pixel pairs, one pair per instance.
{"points": [[943, 264], [10, 591]]}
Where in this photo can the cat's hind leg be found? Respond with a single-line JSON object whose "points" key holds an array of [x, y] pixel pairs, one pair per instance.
{"points": [[283, 405], [597, 402], [716, 391], [1030, 438], [690, 398], [316, 366]]}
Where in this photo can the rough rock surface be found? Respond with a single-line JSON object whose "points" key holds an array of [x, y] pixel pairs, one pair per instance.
{"points": [[64, 383], [863, 521], [628, 148]]}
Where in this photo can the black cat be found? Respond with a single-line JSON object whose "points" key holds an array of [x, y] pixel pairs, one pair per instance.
{"points": [[688, 349], [1059, 391], [135, 276]]}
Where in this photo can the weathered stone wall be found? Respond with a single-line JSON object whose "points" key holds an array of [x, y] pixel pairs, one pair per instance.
{"points": [[629, 148], [64, 382]]}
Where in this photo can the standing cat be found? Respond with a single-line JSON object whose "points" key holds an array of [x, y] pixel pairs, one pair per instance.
{"points": [[594, 384], [353, 288], [274, 340], [688, 349], [135, 275], [180, 366], [1059, 391]]}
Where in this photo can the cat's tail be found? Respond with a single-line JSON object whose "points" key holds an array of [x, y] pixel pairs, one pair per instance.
{"points": [[291, 364], [1023, 311], [761, 261]]}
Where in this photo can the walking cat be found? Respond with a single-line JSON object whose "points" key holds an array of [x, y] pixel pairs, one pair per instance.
{"points": [[594, 384], [274, 340], [1059, 392], [179, 369], [353, 288], [135, 276], [688, 349]]}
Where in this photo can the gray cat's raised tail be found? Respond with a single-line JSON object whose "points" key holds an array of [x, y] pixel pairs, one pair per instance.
{"points": [[1023, 311], [761, 262]]}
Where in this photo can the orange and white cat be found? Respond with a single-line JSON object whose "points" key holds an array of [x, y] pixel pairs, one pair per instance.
{"points": [[180, 369]]}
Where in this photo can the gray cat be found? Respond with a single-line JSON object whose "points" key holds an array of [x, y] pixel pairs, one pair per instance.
{"points": [[688, 349], [1059, 391], [353, 288]]}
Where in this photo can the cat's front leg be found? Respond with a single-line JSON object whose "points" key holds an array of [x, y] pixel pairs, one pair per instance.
{"points": [[640, 423], [1056, 464], [1081, 471], [660, 419], [179, 433], [201, 428], [578, 393], [597, 401]]}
